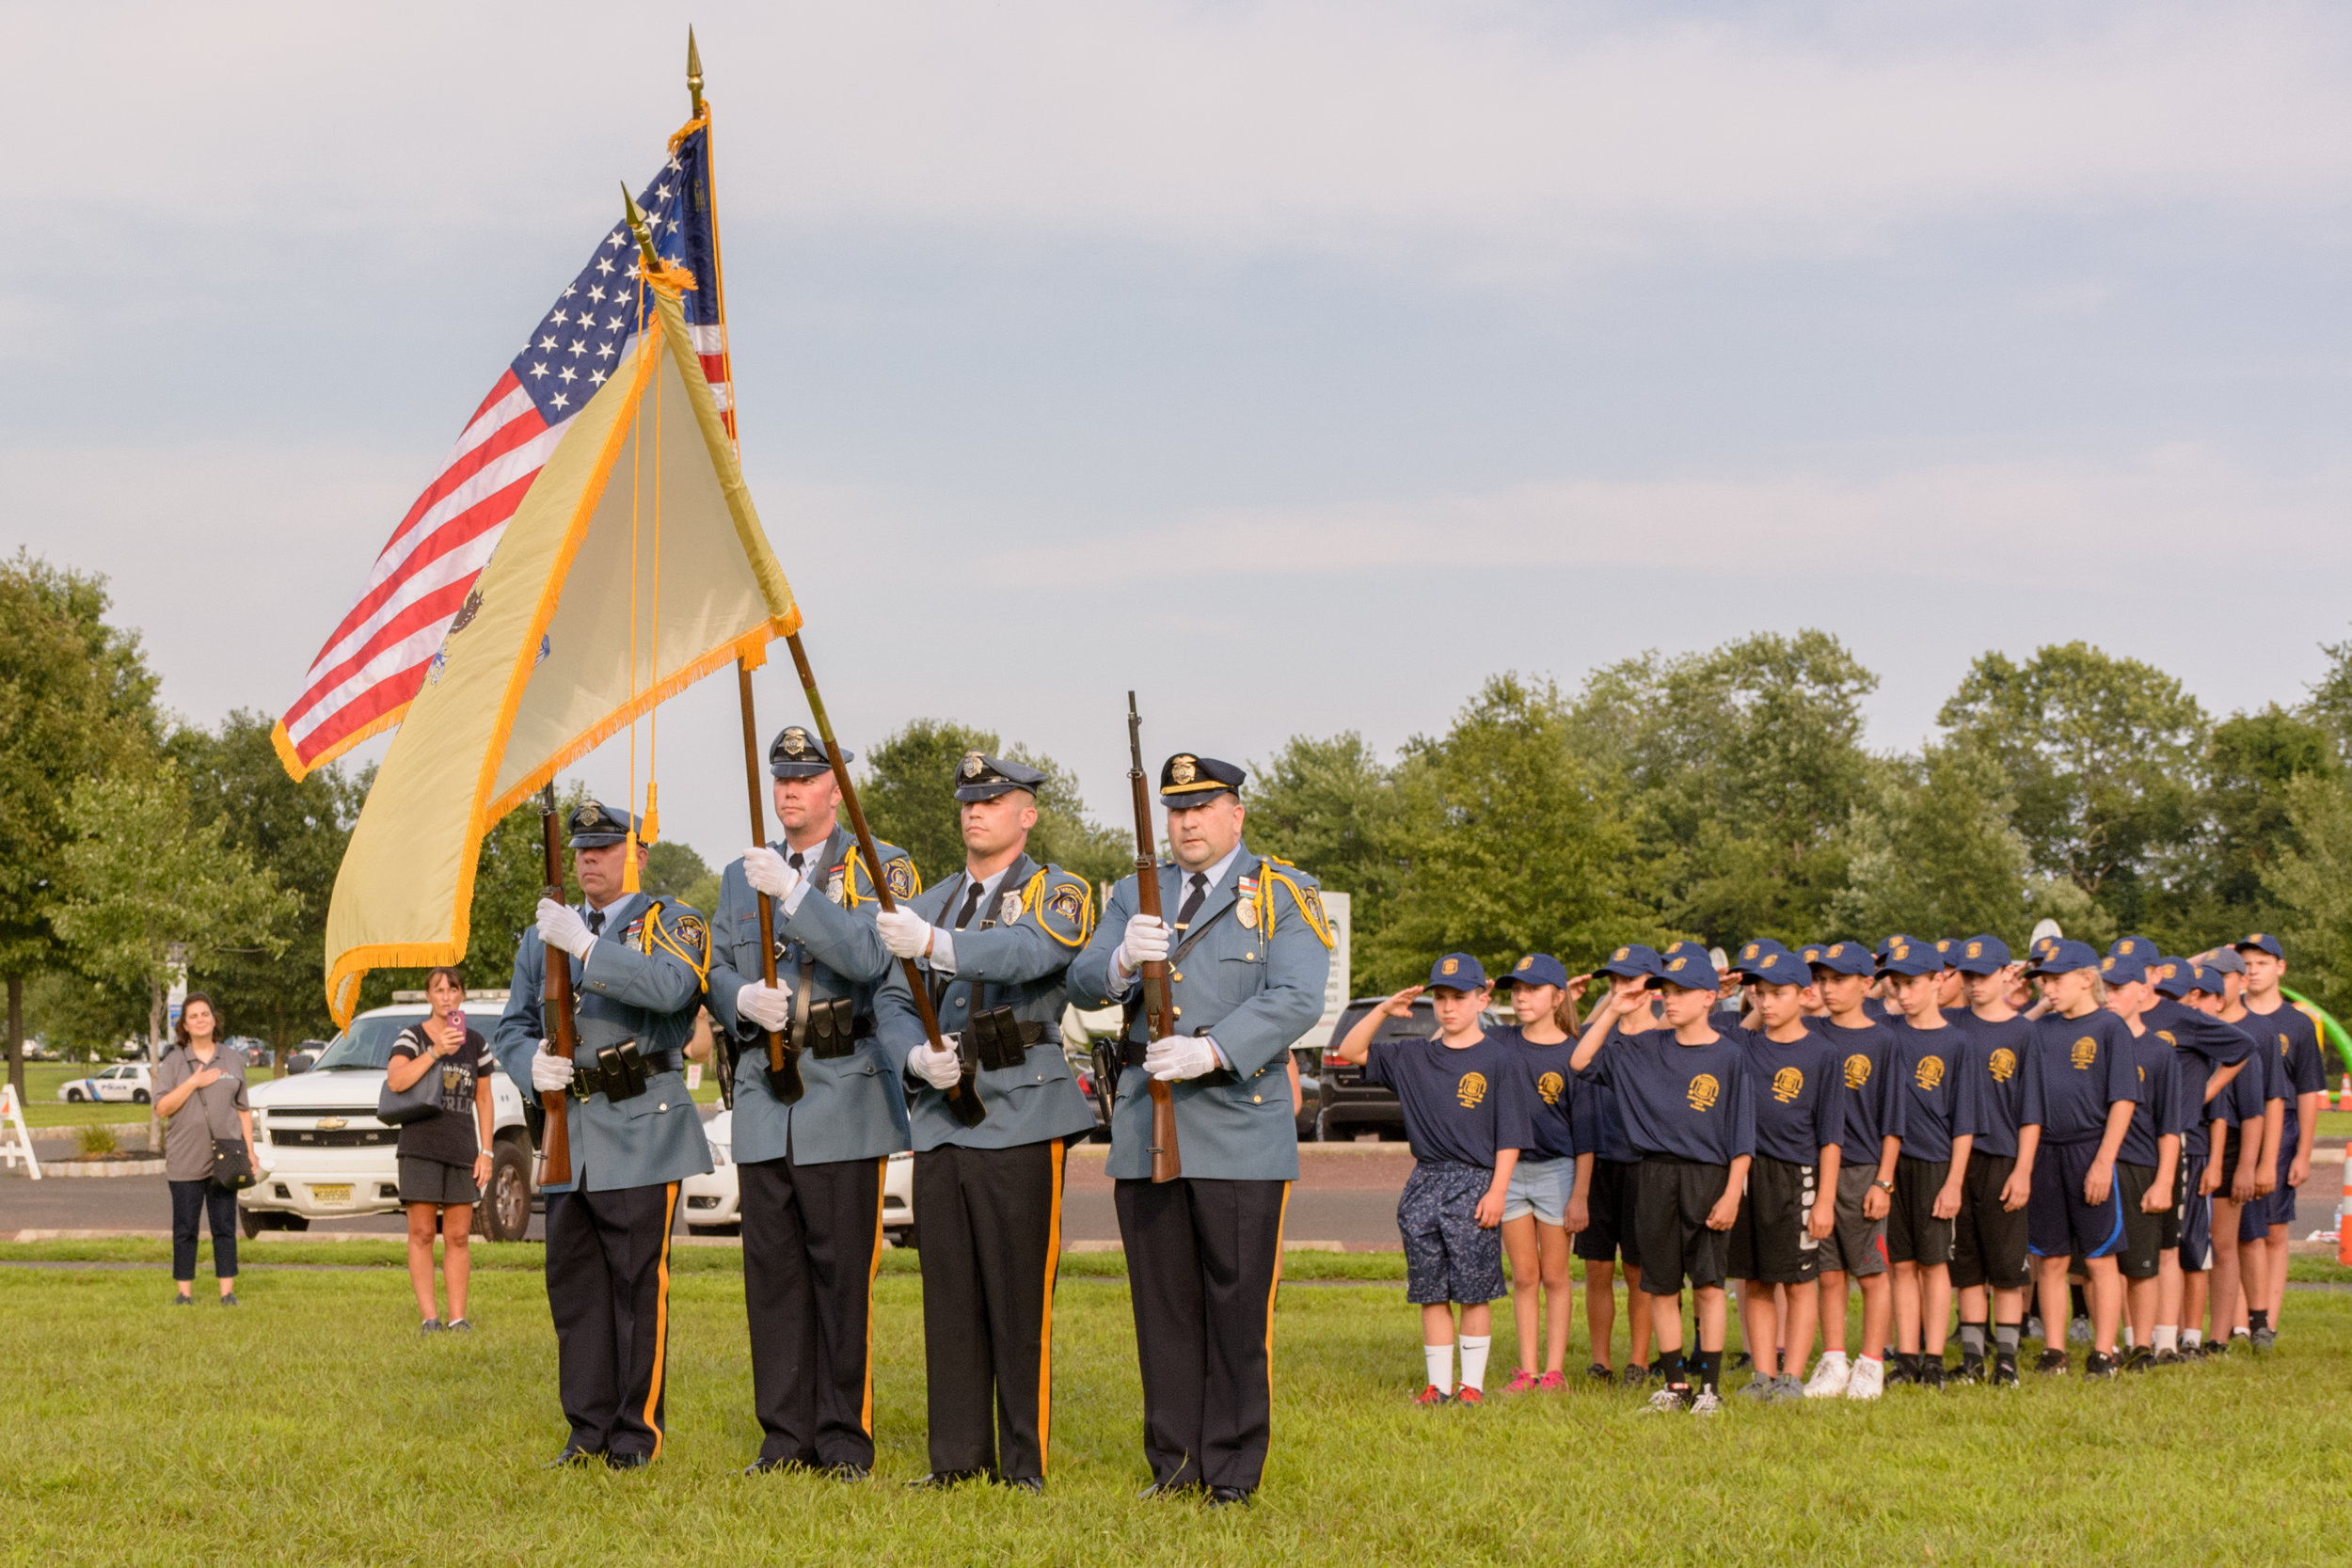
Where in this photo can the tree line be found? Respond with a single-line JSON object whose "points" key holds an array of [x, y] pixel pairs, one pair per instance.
{"points": [[1719, 795]]}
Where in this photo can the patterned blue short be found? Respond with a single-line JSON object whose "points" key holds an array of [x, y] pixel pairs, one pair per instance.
{"points": [[1447, 1255]]}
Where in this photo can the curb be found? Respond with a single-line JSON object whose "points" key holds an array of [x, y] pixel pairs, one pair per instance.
{"points": [[89, 1169]]}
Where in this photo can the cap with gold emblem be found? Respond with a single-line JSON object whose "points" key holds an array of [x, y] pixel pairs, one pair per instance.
{"points": [[797, 755], [1187, 779], [981, 777], [594, 826]]}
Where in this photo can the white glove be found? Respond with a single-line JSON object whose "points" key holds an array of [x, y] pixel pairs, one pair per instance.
{"points": [[907, 935], [562, 928], [1179, 1056], [939, 1068], [1146, 942], [767, 873], [551, 1072], [769, 1007]]}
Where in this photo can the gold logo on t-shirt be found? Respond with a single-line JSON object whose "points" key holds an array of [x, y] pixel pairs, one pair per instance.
{"points": [[1786, 1085], [2004, 1064], [1549, 1087], [1929, 1073], [1703, 1091], [1471, 1089], [2166, 1036], [2084, 1051], [1857, 1070], [2282, 1045]]}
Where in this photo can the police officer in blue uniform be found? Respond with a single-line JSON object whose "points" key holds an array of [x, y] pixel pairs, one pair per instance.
{"points": [[994, 942], [811, 1172], [1249, 953], [637, 966]]}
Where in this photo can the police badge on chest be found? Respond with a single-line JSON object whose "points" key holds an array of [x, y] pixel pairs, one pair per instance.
{"points": [[1008, 909]]}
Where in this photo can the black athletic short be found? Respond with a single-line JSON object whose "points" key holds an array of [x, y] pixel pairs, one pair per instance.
{"points": [[2168, 1223], [2143, 1232], [1608, 1229], [2059, 1221], [1913, 1234], [1675, 1197], [1988, 1241], [1769, 1240]]}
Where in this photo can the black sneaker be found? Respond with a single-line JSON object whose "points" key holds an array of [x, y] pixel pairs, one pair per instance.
{"points": [[1635, 1374], [1901, 1369], [2138, 1358], [1740, 1363], [1598, 1374], [1971, 1369], [2102, 1364], [1931, 1374], [2005, 1370], [2054, 1363]]}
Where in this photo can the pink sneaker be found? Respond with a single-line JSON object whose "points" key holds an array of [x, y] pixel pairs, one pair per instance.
{"points": [[1521, 1383], [1552, 1382]]}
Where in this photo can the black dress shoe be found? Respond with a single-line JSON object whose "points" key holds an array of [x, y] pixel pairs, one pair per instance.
{"points": [[843, 1471], [629, 1460], [1169, 1489], [1221, 1495], [1027, 1483], [776, 1467], [572, 1455], [940, 1481]]}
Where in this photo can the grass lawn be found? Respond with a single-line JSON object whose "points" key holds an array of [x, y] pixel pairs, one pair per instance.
{"points": [[312, 1426]]}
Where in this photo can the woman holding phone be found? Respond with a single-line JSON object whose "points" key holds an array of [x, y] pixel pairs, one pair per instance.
{"points": [[444, 1159], [200, 1094]]}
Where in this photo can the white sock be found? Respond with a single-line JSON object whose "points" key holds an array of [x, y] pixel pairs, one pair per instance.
{"points": [[2165, 1338], [2127, 1335], [1474, 1361], [2192, 1337], [1440, 1362]]}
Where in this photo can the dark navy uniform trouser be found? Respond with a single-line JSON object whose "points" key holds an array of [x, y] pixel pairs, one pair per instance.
{"points": [[812, 1241], [1202, 1260], [609, 1293]]}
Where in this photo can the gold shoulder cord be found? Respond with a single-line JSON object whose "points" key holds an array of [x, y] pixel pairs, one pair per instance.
{"points": [[659, 933], [1033, 899], [1308, 904]]}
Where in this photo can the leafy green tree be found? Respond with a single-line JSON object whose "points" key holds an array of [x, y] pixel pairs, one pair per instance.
{"points": [[1332, 808], [1930, 852], [76, 700], [83, 1019], [2310, 885], [908, 792], [2103, 758], [671, 868]]}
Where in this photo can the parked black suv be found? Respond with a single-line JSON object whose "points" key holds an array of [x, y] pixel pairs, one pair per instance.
{"points": [[1350, 1105]]}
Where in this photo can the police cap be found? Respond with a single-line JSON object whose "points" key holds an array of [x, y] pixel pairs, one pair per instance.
{"points": [[797, 755], [594, 825], [1188, 779], [981, 777]]}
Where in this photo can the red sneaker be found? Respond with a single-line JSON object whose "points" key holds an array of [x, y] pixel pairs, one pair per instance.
{"points": [[1552, 1382], [1433, 1394], [1468, 1395], [1521, 1381]]}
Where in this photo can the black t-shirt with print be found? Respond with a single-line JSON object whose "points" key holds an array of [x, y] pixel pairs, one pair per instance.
{"points": [[451, 1137]]}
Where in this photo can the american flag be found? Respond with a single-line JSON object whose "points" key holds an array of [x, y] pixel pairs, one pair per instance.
{"points": [[363, 678]]}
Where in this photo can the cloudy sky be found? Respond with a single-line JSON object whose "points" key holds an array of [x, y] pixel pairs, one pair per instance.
{"points": [[1296, 364]]}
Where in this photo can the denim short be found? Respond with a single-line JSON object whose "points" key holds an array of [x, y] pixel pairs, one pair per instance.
{"points": [[1541, 1188]]}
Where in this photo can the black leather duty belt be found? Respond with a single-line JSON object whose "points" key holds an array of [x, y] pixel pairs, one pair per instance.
{"points": [[1000, 1041], [621, 1073]]}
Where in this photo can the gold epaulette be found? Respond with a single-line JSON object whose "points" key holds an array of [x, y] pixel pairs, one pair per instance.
{"points": [[1071, 901], [689, 943], [1310, 905]]}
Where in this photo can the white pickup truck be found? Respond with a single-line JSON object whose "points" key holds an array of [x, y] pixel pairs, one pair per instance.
{"points": [[325, 1157]]}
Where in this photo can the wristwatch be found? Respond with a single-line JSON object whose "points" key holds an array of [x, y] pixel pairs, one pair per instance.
{"points": [[1886, 1187]]}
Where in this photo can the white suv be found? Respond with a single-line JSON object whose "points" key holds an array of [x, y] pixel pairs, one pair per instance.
{"points": [[714, 1202], [325, 1157]]}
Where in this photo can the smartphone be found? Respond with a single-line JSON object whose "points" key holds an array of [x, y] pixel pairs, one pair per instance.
{"points": [[456, 1018]]}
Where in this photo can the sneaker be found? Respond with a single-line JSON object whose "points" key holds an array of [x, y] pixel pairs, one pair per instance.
{"points": [[1635, 1374], [1901, 1369], [1786, 1388], [184, 1301], [1756, 1389], [2005, 1370], [1829, 1378], [1521, 1381], [1598, 1374], [1707, 1403], [1867, 1382], [2031, 1327], [1668, 1401], [2102, 1364], [461, 1325], [1741, 1362], [431, 1325], [2166, 1358], [1931, 1374], [2264, 1337], [2054, 1363], [229, 1298], [1433, 1394], [1971, 1369], [2138, 1358], [1464, 1394], [1550, 1382], [2078, 1332]]}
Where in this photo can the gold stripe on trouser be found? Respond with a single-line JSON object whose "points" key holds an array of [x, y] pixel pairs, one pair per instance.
{"points": [[660, 1320], [1270, 1292], [1045, 1323], [873, 1267]]}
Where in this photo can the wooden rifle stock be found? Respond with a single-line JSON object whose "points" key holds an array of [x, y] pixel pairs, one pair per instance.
{"points": [[964, 1100], [784, 1061], [555, 1012], [1166, 1161]]}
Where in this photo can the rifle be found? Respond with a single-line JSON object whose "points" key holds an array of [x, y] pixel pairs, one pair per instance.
{"points": [[964, 1100], [784, 1056], [1166, 1161], [555, 1012]]}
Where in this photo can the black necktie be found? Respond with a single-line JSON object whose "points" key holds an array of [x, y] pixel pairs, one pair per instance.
{"points": [[794, 861], [971, 902], [1192, 899], [595, 923]]}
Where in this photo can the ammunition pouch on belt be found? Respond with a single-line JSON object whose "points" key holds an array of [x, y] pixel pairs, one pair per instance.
{"points": [[831, 1029], [1000, 1041], [621, 1073]]}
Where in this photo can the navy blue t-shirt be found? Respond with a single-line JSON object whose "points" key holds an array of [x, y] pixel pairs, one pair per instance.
{"points": [[2086, 1065], [1800, 1096], [2007, 1097], [2295, 1037], [2243, 1098], [1598, 1128], [1874, 1104], [1553, 1086], [2163, 1109], [1460, 1106], [1939, 1084], [2202, 1045], [1691, 1101]]}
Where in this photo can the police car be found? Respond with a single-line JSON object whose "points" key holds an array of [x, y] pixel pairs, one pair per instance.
{"points": [[133, 1084], [325, 1157], [714, 1202]]}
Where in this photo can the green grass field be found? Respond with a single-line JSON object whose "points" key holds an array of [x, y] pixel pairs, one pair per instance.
{"points": [[312, 1426]]}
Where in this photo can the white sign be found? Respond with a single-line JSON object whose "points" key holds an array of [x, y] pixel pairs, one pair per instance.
{"points": [[1335, 990], [16, 1139]]}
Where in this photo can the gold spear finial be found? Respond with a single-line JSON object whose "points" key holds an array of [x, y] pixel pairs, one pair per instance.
{"points": [[693, 70], [638, 227]]}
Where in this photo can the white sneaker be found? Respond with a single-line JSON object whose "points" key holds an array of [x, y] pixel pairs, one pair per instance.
{"points": [[1869, 1380], [1829, 1377], [1666, 1401], [1707, 1403]]}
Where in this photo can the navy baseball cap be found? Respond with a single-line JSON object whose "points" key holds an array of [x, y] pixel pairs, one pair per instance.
{"points": [[2140, 947], [2173, 976], [1688, 966], [1633, 961], [594, 826], [2224, 960], [797, 755], [2206, 978], [2064, 958], [2122, 969], [1537, 968], [1752, 953], [1811, 952], [1985, 955], [1457, 971], [1885, 946], [2261, 942], [1904, 956], [1774, 965], [1943, 946], [1846, 957]]}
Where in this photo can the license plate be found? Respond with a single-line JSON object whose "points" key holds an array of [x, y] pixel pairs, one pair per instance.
{"points": [[338, 1192]]}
